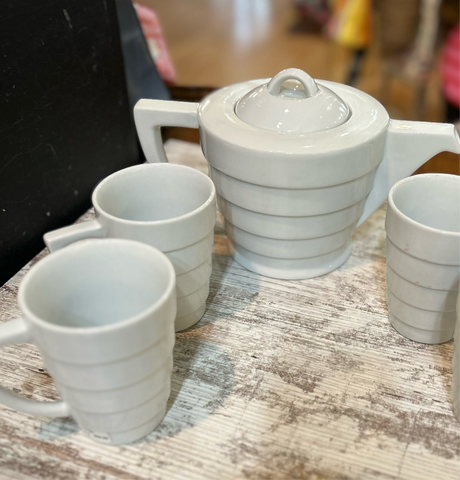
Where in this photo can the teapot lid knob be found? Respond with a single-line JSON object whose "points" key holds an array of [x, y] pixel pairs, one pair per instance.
{"points": [[292, 102], [275, 84]]}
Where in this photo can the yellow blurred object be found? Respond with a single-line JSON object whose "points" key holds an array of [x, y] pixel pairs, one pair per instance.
{"points": [[350, 23]]}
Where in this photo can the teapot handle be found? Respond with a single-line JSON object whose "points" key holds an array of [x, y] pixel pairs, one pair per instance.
{"points": [[151, 115]]}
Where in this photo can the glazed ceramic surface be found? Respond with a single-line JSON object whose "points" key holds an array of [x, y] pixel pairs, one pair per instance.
{"points": [[297, 164], [170, 207], [102, 315], [423, 256]]}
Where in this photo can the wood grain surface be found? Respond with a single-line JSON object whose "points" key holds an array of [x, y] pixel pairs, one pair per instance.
{"points": [[279, 380]]}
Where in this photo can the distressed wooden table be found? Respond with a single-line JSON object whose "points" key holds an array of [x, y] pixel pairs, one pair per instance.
{"points": [[279, 380]]}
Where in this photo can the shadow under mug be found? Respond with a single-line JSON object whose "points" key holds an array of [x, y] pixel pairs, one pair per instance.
{"points": [[101, 313], [423, 256], [170, 207]]}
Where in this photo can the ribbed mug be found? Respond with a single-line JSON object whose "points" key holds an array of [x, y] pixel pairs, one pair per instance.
{"points": [[101, 313], [170, 207], [423, 256]]}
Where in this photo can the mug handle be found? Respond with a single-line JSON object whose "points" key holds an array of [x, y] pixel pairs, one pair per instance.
{"points": [[62, 237], [151, 115], [17, 331]]}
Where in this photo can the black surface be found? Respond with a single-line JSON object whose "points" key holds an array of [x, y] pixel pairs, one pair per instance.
{"points": [[65, 122]]}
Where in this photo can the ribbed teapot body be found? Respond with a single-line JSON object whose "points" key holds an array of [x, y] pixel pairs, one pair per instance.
{"points": [[291, 201]]}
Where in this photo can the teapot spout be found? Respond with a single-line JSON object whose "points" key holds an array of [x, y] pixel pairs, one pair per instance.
{"points": [[408, 146]]}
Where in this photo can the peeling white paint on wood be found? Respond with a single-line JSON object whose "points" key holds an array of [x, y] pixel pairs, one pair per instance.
{"points": [[279, 380]]}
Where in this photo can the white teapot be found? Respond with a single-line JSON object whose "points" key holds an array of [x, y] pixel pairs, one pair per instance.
{"points": [[297, 164]]}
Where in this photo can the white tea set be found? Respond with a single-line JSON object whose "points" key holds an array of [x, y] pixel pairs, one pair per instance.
{"points": [[295, 165]]}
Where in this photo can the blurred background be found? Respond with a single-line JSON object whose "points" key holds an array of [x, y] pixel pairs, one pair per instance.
{"points": [[404, 53]]}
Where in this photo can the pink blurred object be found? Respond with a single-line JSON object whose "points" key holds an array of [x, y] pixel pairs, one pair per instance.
{"points": [[155, 41], [450, 67]]}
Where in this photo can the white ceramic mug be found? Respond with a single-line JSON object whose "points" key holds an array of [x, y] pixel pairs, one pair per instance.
{"points": [[423, 256], [102, 313], [170, 207]]}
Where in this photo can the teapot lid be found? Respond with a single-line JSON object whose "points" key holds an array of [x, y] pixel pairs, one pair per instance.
{"points": [[292, 102]]}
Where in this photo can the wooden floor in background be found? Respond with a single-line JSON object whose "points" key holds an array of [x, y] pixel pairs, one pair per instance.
{"points": [[218, 42]]}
